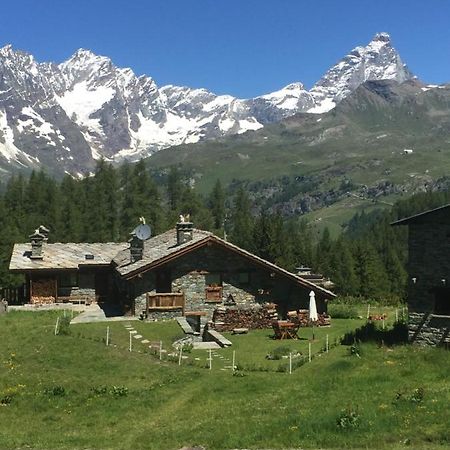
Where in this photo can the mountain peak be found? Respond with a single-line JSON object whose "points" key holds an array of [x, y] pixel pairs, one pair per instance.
{"points": [[377, 61], [383, 37]]}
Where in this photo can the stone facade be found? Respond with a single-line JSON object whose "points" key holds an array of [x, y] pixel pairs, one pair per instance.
{"points": [[428, 329], [429, 278], [241, 281]]}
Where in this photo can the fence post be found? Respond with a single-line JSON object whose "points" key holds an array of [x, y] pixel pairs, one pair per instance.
{"points": [[290, 363], [107, 336], [181, 355], [210, 359], [57, 326], [327, 345], [160, 350], [131, 345], [368, 311], [309, 352], [234, 360]]}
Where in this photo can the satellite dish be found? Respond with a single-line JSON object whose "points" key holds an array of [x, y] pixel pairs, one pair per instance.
{"points": [[143, 232]]}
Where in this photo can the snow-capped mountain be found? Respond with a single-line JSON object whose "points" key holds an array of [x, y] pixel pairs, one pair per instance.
{"points": [[377, 61], [69, 115]]}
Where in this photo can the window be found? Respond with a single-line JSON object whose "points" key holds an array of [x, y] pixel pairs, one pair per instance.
{"points": [[213, 290], [68, 279]]}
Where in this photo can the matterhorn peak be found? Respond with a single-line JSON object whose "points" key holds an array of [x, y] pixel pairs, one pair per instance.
{"points": [[377, 61], [383, 37]]}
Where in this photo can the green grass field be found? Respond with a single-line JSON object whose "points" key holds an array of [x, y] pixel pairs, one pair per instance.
{"points": [[73, 392]]}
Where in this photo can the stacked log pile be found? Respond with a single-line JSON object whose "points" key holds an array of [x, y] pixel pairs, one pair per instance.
{"points": [[255, 317], [43, 291], [302, 317]]}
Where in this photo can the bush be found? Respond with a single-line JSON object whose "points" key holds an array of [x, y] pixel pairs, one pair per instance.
{"points": [[119, 391], [64, 326], [6, 400], [99, 390], [348, 418], [278, 353], [55, 391]]}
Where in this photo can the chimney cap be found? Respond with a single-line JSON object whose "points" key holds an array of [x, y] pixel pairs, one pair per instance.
{"points": [[37, 234]]}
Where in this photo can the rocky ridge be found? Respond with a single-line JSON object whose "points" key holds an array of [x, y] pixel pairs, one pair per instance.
{"points": [[65, 117]]}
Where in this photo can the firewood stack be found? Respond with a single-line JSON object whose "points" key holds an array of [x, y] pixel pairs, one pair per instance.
{"points": [[256, 317], [302, 316], [43, 291]]}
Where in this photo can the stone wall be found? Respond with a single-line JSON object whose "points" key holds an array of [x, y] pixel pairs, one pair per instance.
{"points": [[427, 329]]}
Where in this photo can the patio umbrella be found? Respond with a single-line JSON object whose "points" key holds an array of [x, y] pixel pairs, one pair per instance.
{"points": [[312, 310]]}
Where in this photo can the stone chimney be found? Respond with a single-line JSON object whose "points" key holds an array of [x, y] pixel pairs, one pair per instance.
{"points": [[45, 231], [37, 239], [136, 248], [184, 231]]}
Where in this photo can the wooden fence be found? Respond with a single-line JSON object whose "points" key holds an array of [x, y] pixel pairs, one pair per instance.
{"points": [[13, 295]]}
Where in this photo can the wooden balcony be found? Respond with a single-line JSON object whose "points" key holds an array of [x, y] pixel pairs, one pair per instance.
{"points": [[165, 302]]}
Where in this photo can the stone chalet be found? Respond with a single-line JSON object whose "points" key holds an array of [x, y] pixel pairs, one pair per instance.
{"points": [[184, 271], [429, 276]]}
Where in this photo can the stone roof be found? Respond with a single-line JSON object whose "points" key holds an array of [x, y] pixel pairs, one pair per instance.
{"points": [[64, 256], [163, 248], [156, 249]]}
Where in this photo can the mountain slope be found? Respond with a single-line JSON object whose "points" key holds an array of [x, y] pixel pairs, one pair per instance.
{"points": [[359, 146], [65, 117]]}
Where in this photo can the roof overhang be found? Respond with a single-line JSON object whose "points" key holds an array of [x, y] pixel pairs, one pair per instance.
{"points": [[210, 240]]}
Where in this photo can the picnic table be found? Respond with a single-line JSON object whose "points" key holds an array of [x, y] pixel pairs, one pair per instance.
{"points": [[285, 329]]}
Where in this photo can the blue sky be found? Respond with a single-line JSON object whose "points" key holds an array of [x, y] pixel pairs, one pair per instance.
{"points": [[240, 47]]}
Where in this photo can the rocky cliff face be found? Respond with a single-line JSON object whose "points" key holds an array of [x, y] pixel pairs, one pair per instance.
{"points": [[65, 117]]}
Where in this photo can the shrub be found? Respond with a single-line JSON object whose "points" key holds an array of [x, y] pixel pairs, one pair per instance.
{"points": [[6, 400], [99, 390], [119, 391], [55, 391], [348, 418], [278, 353], [64, 326]]}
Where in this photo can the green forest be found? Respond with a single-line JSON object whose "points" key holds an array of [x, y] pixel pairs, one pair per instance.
{"points": [[367, 260]]}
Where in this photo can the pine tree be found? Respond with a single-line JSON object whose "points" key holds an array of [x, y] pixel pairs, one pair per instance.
{"points": [[242, 221], [217, 205]]}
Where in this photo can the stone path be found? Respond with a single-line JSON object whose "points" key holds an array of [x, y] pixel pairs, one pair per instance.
{"points": [[224, 363]]}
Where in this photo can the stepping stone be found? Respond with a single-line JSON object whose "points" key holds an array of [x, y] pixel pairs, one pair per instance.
{"points": [[205, 345], [137, 336], [184, 357], [133, 332], [197, 359], [145, 341], [227, 367]]}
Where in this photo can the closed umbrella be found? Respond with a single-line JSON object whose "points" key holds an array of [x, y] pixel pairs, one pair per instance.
{"points": [[312, 310]]}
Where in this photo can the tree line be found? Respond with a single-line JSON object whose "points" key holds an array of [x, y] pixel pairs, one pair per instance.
{"points": [[368, 259]]}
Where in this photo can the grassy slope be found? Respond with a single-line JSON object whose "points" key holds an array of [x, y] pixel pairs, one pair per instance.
{"points": [[361, 140], [168, 406]]}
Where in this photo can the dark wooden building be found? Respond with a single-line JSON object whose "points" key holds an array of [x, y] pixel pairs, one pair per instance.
{"points": [[429, 276], [182, 271]]}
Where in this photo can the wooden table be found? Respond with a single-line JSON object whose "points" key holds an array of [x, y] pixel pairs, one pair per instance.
{"points": [[284, 329]]}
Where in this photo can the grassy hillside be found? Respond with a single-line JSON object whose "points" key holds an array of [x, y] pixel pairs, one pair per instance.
{"points": [[358, 147], [73, 392]]}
